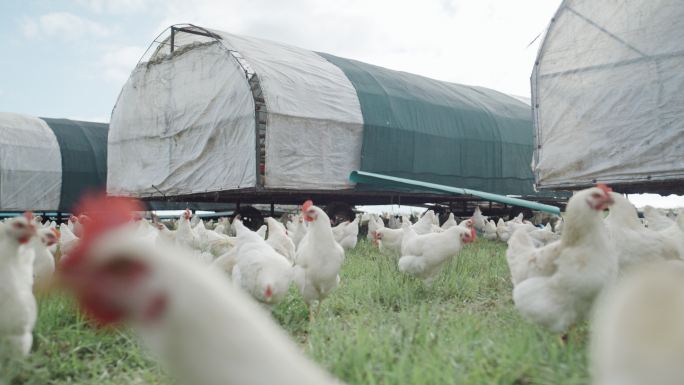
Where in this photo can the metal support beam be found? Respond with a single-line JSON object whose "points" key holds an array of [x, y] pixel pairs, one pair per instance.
{"points": [[173, 38], [201, 32]]}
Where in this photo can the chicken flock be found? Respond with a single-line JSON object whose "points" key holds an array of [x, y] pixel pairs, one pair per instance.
{"points": [[611, 269]]}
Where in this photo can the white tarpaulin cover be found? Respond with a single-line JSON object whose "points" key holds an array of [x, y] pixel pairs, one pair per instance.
{"points": [[607, 93], [30, 164], [183, 124], [315, 126]]}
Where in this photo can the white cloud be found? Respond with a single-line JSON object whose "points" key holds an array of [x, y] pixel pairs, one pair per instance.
{"points": [[481, 42], [62, 25], [116, 6], [117, 63]]}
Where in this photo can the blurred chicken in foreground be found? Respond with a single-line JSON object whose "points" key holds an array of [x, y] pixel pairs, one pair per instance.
{"points": [[638, 328], [202, 329]]}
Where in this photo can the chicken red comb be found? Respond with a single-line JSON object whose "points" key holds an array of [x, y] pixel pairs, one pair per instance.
{"points": [[307, 205], [28, 215], [606, 190], [106, 214]]}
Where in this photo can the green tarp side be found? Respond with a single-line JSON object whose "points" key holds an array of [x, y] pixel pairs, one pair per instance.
{"points": [[439, 132], [83, 146]]}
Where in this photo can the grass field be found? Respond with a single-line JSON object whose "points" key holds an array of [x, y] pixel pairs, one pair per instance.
{"points": [[379, 327]]}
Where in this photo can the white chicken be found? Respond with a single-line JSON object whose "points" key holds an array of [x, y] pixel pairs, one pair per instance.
{"points": [[638, 328], [424, 255], [675, 232], [389, 240], [479, 220], [67, 240], [224, 227], [188, 239], [365, 218], [165, 236], [489, 232], [556, 285], [350, 235], [338, 231], [212, 242], [185, 235], [424, 224], [394, 222], [520, 218], [261, 231], [374, 223], [319, 258], [558, 228], [503, 231], [43, 261], [435, 220], [279, 241], [299, 231], [260, 270], [17, 302], [408, 234], [541, 237], [656, 220], [634, 243], [450, 222], [203, 330], [226, 262], [74, 225]]}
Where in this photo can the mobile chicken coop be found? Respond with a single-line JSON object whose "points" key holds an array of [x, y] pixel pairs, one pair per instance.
{"points": [[46, 164], [211, 116], [607, 93]]}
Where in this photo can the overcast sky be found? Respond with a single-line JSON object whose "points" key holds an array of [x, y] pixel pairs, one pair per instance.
{"points": [[70, 58]]}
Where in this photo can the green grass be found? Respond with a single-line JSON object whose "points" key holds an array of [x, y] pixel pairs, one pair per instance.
{"points": [[379, 327]]}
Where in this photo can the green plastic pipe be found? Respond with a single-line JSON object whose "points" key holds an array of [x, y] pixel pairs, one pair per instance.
{"points": [[373, 178]]}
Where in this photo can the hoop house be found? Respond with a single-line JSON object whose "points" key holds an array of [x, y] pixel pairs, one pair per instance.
{"points": [[607, 96], [46, 164], [209, 112]]}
